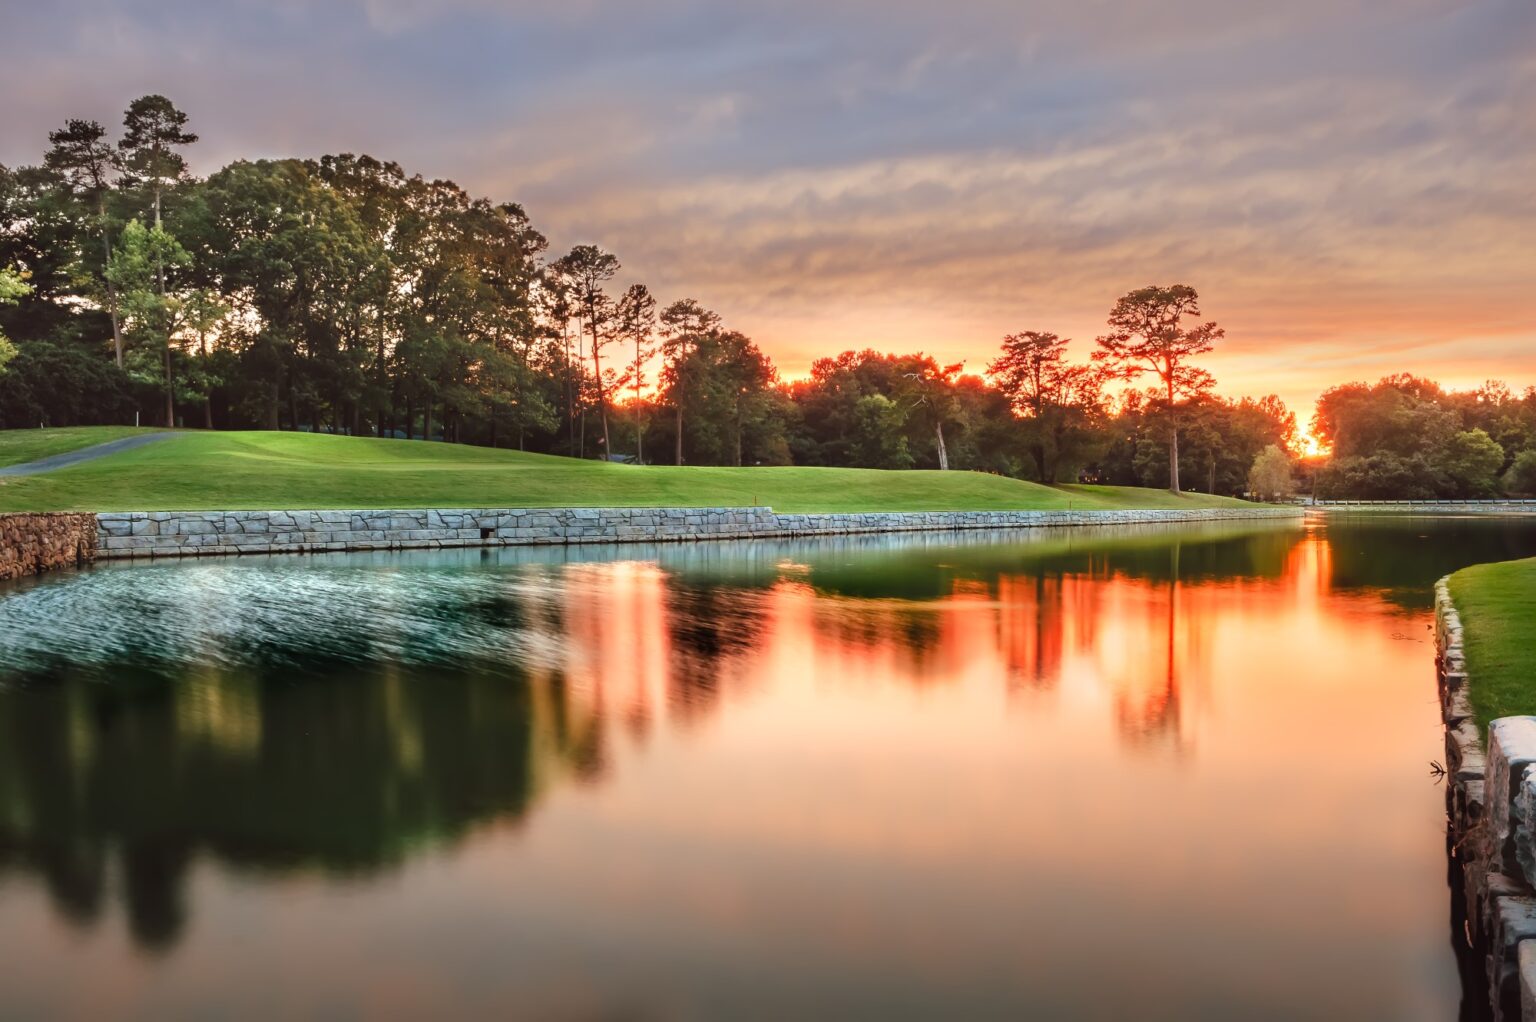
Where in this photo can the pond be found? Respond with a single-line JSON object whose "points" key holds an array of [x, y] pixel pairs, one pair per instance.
{"points": [[1162, 773]]}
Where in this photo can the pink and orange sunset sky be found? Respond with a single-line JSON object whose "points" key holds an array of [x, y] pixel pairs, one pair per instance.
{"points": [[1351, 184]]}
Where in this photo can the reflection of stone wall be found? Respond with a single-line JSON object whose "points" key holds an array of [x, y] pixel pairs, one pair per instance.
{"points": [[31, 544], [1491, 802], [177, 533]]}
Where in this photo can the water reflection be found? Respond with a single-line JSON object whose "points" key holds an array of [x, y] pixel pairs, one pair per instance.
{"points": [[342, 717]]}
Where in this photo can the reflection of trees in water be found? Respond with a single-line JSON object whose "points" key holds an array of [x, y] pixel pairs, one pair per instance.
{"points": [[707, 627], [347, 774], [1400, 557], [113, 785], [1252, 550]]}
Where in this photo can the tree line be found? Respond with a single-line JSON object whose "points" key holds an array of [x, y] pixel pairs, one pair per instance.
{"points": [[343, 294], [1407, 438]]}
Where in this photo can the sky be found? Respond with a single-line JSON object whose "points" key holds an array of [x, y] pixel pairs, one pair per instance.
{"points": [[1350, 184]]}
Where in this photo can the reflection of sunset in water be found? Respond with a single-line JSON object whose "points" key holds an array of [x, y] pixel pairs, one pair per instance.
{"points": [[642, 646], [912, 778]]}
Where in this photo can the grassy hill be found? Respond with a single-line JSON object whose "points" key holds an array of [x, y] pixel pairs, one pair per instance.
{"points": [[262, 470]]}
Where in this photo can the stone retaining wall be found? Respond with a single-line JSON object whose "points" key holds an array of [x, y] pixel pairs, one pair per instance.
{"points": [[194, 533], [1491, 805], [31, 544], [1425, 507]]}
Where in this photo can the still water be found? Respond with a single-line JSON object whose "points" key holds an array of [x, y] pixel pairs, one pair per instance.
{"points": [[1150, 773]]}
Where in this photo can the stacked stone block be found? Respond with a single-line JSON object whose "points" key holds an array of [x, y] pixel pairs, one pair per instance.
{"points": [[184, 533], [31, 544], [1491, 805]]}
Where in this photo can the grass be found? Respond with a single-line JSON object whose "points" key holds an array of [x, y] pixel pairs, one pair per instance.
{"points": [[262, 470], [21, 445], [1498, 617]]}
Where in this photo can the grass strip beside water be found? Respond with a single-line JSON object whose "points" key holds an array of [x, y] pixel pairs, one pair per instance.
{"points": [[1497, 603]]}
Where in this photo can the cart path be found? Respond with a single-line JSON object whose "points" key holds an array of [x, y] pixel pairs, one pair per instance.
{"points": [[68, 458]]}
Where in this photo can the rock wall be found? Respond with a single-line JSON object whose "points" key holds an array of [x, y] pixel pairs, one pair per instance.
{"points": [[193, 533], [31, 544], [1438, 508], [1491, 809]]}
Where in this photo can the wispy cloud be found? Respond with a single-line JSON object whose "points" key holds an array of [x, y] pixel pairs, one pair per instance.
{"points": [[1348, 183]]}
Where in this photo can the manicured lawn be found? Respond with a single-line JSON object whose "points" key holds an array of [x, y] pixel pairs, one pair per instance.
{"points": [[1498, 614], [19, 445], [261, 470]]}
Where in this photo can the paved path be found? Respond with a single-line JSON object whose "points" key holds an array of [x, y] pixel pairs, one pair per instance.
{"points": [[32, 468]]}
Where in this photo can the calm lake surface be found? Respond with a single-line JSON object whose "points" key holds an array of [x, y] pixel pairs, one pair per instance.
{"points": [[1082, 774]]}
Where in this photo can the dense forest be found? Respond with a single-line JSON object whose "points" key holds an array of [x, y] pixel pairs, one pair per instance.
{"points": [[345, 295]]}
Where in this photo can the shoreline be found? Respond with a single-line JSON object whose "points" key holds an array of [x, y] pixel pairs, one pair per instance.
{"points": [[1491, 826]]}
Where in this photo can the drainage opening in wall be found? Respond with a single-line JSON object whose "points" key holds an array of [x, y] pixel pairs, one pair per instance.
{"points": [[486, 533]]}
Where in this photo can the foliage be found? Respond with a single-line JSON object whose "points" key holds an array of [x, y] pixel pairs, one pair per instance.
{"points": [[1520, 479], [1471, 464], [347, 295], [13, 287], [1405, 438], [1147, 334], [1270, 478], [877, 440], [1059, 406]]}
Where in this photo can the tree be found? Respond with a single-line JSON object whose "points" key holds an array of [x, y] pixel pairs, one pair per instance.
{"points": [[295, 261], [137, 269], [683, 324], [1402, 415], [1270, 478], [1059, 403], [588, 268], [1471, 463], [637, 321], [89, 165], [932, 396], [1147, 333], [1520, 477], [203, 312], [13, 286], [153, 129], [879, 440]]}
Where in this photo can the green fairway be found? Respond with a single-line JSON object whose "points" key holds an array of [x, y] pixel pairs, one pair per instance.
{"points": [[1498, 616], [263, 470], [21, 445]]}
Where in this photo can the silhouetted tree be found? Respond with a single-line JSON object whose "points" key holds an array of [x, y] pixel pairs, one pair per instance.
{"points": [[1147, 334]]}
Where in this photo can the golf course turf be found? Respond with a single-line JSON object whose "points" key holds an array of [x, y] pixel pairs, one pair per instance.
{"points": [[268, 470], [1497, 603]]}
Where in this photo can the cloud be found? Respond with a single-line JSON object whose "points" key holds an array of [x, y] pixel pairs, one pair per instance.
{"points": [[1347, 182]]}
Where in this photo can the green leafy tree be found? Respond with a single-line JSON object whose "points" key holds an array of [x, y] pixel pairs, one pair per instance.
{"points": [[137, 269], [1471, 461], [295, 261], [1059, 405], [684, 324], [928, 389], [89, 165], [1270, 477], [1520, 477], [204, 314], [880, 439], [153, 131], [13, 287], [588, 268], [1148, 334]]}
